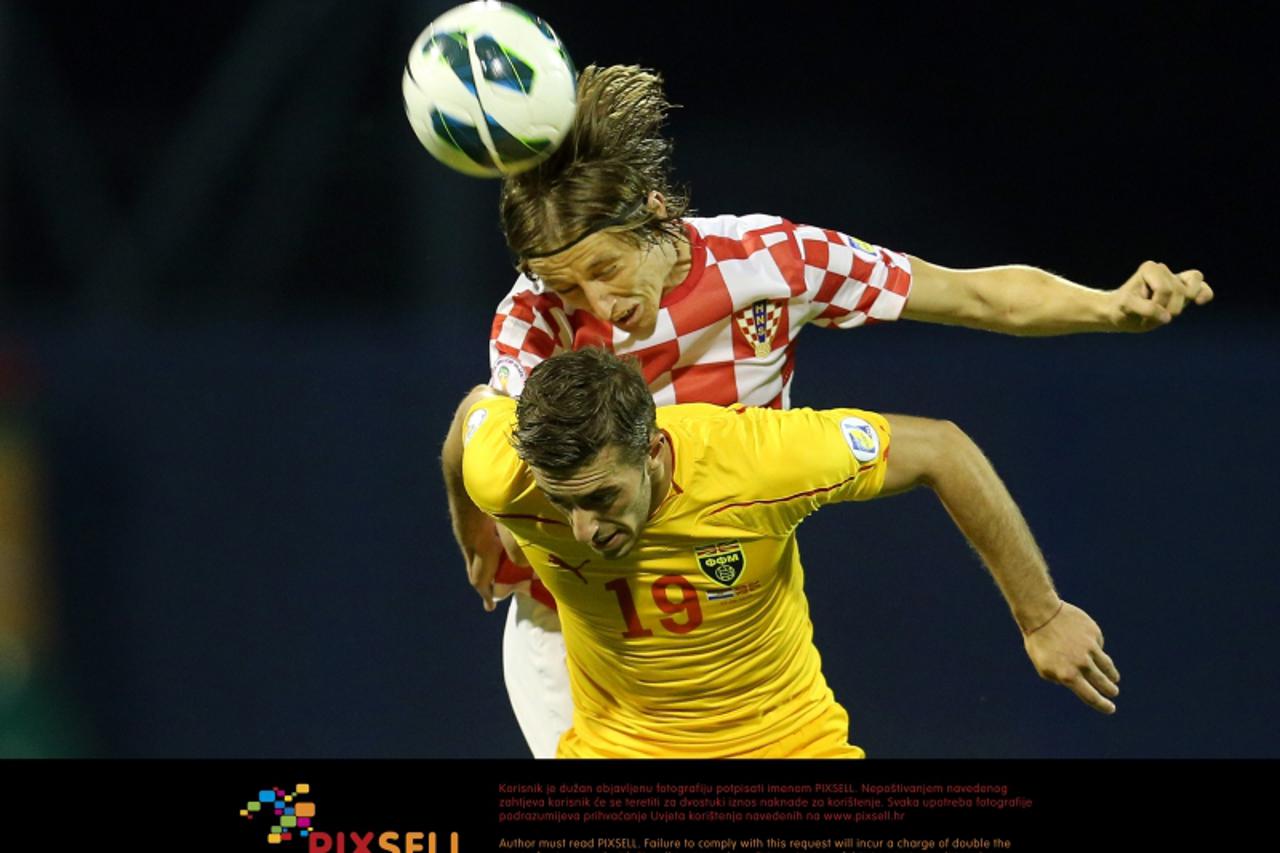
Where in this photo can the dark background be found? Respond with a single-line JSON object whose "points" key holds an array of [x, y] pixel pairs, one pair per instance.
{"points": [[238, 303]]}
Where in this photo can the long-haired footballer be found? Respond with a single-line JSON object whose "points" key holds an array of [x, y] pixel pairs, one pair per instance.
{"points": [[711, 307]]}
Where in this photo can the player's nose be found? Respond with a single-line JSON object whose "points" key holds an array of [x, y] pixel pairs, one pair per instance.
{"points": [[601, 300], [585, 525]]}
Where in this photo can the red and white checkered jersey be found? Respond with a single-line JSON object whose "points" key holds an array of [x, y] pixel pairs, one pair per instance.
{"points": [[726, 333]]}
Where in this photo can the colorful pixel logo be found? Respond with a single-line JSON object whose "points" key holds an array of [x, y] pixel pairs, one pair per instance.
{"points": [[288, 814]]}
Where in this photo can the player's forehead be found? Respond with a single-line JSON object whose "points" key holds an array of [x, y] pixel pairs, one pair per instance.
{"points": [[604, 473], [581, 259]]}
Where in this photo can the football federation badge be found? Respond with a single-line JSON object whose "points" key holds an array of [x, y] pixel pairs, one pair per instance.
{"points": [[723, 562], [863, 441], [864, 247], [759, 323]]}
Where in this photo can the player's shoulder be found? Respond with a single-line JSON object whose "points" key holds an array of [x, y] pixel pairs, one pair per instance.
{"points": [[761, 229], [697, 416], [772, 436], [488, 426], [762, 242], [722, 437], [768, 468], [747, 226], [492, 471], [734, 226]]}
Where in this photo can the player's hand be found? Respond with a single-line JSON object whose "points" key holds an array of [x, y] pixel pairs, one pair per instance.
{"points": [[515, 575], [1068, 650], [483, 554], [1154, 295]]}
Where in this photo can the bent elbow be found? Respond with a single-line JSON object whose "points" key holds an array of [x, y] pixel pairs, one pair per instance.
{"points": [[953, 450]]}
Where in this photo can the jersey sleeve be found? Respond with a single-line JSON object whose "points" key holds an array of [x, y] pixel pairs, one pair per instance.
{"points": [[529, 327], [850, 282], [800, 460], [493, 474]]}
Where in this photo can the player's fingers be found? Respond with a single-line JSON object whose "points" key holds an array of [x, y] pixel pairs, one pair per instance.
{"points": [[485, 590], [1089, 695], [1144, 313], [481, 572], [1195, 288], [511, 547], [1100, 681], [1192, 281], [1191, 287], [1103, 662], [1159, 281]]}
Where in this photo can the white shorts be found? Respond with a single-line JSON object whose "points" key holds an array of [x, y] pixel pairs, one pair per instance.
{"points": [[536, 674]]}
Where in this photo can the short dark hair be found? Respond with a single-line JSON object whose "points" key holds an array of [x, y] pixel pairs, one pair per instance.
{"points": [[576, 404]]}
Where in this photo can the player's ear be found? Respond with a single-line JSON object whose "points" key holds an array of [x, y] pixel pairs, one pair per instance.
{"points": [[655, 445], [657, 204]]}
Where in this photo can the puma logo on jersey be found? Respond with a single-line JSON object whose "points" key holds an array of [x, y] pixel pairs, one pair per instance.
{"points": [[577, 570]]}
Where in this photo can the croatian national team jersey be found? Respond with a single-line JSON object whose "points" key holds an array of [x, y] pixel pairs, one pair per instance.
{"points": [[726, 334]]}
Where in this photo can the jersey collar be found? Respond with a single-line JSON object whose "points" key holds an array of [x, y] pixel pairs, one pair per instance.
{"points": [[697, 262]]}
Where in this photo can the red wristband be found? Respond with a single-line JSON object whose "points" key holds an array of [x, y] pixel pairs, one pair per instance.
{"points": [[1061, 604]]}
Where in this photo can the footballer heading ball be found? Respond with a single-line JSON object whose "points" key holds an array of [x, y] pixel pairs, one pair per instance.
{"points": [[489, 89]]}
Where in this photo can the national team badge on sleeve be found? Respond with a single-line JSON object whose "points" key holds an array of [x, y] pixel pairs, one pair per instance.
{"points": [[864, 247], [723, 562], [862, 438], [759, 324]]}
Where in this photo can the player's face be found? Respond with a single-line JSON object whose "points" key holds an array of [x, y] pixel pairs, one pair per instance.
{"points": [[606, 501], [614, 279]]}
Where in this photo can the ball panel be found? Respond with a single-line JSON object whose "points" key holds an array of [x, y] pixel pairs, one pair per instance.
{"points": [[513, 150], [464, 138], [501, 67], [451, 49]]}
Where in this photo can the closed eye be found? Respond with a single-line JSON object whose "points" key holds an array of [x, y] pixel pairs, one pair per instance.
{"points": [[593, 501], [600, 500]]}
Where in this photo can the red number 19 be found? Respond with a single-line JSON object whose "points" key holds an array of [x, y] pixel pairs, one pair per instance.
{"points": [[688, 603]]}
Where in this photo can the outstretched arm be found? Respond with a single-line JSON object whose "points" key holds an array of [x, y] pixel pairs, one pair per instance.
{"points": [[1063, 642], [1022, 300]]}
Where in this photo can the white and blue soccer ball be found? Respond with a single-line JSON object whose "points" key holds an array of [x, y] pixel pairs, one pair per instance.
{"points": [[489, 89]]}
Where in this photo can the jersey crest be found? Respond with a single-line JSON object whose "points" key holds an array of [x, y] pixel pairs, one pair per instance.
{"points": [[723, 562], [759, 323]]}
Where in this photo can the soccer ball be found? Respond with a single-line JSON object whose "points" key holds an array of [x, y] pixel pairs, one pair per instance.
{"points": [[489, 89]]}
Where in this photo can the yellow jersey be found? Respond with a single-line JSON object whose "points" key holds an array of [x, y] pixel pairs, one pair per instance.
{"points": [[697, 643]]}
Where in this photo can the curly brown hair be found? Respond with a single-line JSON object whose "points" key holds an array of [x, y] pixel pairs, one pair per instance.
{"points": [[602, 173]]}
